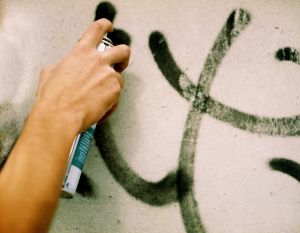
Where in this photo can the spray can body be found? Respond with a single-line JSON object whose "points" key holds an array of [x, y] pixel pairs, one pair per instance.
{"points": [[80, 148]]}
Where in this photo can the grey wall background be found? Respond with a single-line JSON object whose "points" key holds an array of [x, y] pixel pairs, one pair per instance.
{"points": [[232, 182]]}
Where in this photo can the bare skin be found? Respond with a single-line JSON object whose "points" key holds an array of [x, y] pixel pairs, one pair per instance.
{"points": [[79, 91]]}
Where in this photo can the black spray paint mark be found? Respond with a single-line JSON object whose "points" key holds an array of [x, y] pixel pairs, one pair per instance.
{"points": [[165, 61], [105, 10], [108, 11], [85, 186], [179, 185], [288, 54], [153, 193], [286, 166]]}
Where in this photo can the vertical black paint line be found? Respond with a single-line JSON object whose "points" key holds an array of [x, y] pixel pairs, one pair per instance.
{"points": [[288, 54], [285, 126], [286, 166], [237, 22], [167, 65], [153, 193], [185, 175]]}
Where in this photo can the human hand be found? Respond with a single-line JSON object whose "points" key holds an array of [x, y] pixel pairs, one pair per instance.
{"points": [[83, 87]]}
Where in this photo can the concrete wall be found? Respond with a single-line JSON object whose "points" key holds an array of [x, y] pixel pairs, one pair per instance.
{"points": [[206, 137]]}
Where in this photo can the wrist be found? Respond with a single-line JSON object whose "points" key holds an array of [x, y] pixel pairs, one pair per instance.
{"points": [[57, 122]]}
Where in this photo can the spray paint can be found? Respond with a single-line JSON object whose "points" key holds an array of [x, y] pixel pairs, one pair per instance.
{"points": [[80, 147]]}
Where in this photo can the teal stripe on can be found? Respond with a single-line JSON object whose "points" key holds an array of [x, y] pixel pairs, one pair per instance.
{"points": [[82, 148]]}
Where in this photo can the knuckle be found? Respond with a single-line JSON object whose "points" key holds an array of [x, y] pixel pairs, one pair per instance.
{"points": [[83, 47], [116, 87]]}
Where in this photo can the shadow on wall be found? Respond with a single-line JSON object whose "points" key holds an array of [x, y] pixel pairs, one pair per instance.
{"points": [[10, 57], [9, 131]]}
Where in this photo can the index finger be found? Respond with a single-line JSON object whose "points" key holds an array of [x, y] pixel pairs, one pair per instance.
{"points": [[118, 55], [95, 32]]}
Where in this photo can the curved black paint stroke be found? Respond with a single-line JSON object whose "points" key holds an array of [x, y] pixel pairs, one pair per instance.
{"points": [[286, 166], [169, 68], [153, 193]]}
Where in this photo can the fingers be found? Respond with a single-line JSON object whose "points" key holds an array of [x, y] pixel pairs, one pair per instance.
{"points": [[94, 34], [118, 55]]}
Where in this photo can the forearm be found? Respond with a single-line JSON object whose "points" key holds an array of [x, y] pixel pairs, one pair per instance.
{"points": [[72, 95], [31, 180]]}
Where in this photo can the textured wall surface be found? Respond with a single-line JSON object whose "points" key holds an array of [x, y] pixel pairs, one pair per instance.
{"points": [[207, 134]]}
